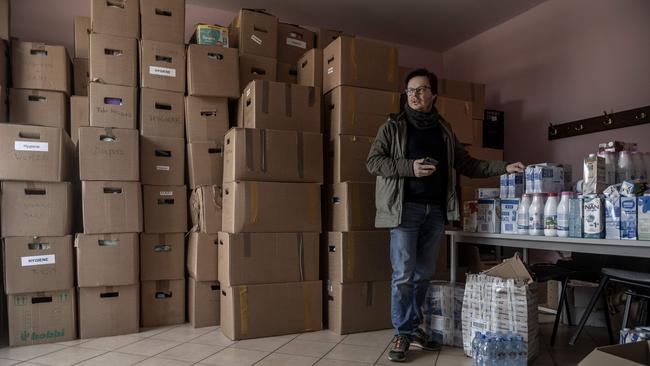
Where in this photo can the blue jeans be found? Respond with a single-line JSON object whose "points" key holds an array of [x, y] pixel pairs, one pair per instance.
{"points": [[414, 247]]}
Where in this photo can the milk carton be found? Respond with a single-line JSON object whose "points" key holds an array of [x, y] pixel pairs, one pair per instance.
{"points": [[515, 185], [643, 217], [548, 178], [613, 218], [470, 223], [567, 172], [482, 193], [575, 217], [595, 175], [509, 209], [488, 215], [628, 218], [503, 186], [593, 217], [529, 178]]}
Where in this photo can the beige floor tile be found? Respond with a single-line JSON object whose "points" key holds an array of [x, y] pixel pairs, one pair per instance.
{"points": [[5, 362], [29, 364], [413, 358], [370, 339], [113, 359], [235, 357], [156, 361], [452, 351], [306, 348], [569, 357], [447, 360], [25, 353], [110, 343], [67, 356], [327, 362], [182, 333], [148, 347], [75, 342], [268, 344], [190, 352], [214, 338], [349, 352], [149, 332], [278, 359], [322, 336]]}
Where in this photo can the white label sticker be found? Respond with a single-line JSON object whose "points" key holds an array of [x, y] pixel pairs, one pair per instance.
{"points": [[162, 167], [330, 70], [38, 260], [296, 43], [30, 146], [166, 193], [256, 39], [162, 71]]}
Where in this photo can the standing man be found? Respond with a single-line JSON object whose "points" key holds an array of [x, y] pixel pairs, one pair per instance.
{"points": [[413, 158]]}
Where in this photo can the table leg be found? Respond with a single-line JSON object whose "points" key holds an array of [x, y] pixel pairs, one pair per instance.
{"points": [[524, 255], [453, 258]]}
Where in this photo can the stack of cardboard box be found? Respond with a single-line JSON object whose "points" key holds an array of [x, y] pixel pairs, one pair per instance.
{"points": [[79, 105]]}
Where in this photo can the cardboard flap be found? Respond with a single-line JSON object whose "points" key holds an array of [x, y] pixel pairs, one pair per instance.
{"points": [[621, 355], [511, 268]]}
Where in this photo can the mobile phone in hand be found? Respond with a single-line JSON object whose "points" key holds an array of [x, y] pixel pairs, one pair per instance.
{"points": [[430, 161]]}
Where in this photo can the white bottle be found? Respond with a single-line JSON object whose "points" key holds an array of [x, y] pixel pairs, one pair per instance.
{"points": [[625, 167], [550, 215], [563, 215], [522, 215], [611, 160], [536, 215], [638, 166], [646, 163]]}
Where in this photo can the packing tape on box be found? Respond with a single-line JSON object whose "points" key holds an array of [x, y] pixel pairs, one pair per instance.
{"points": [[306, 294], [312, 96], [468, 109], [352, 100], [351, 257], [249, 141], [301, 255], [253, 193], [392, 64], [288, 92], [243, 309], [353, 59], [300, 142]]}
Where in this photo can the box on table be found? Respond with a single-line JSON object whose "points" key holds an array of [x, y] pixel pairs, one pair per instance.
{"points": [[613, 218], [593, 217], [351, 206], [38, 108], [205, 163], [203, 303], [358, 256], [254, 32], [163, 20], [162, 256], [488, 215], [256, 68], [162, 160], [458, 113], [113, 60], [287, 73], [117, 17], [111, 207], [206, 209], [113, 106], [80, 76], [445, 325], [629, 218], [162, 302], [310, 68], [162, 66], [347, 159], [165, 209], [79, 115], [81, 37], [109, 310], [464, 90], [358, 111], [107, 259], [162, 113], [206, 118], [358, 307], [644, 217], [470, 216], [293, 42], [509, 209], [202, 257], [212, 71], [210, 35], [40, 66], [486, 193], [109, 154]]}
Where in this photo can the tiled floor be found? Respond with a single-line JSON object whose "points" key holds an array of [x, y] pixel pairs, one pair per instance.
{"points": [[183, 345]]}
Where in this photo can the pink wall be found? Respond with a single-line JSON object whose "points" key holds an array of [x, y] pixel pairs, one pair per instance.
{"points": [[558, 62]]}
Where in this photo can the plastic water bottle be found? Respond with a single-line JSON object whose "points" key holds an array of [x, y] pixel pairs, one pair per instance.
{"points": [[522, 349], [522, 215], [563, 215], [625, 166], [501, 351], [490, 355], [475, 347], [550, 215]]}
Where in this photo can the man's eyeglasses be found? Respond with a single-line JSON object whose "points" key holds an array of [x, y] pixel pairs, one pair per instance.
{"points": [[416, 91]]}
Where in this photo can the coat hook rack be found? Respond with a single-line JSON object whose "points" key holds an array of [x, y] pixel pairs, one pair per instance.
{"points": [[608, 121]]}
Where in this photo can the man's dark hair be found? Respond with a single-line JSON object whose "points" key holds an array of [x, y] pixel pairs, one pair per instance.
{"points": [[433, 79]]}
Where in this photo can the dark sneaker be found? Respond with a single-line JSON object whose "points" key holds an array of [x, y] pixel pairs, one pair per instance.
{"points": [[420, 340], [399, 348]]}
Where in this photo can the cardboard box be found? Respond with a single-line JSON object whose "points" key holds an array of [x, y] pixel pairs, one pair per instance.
{"points": [[358, 307], [482, 154], [108, 154], [162, 66], [113, 106], [111, 207], [205, 163], [358, 256], [269, 310], [472, 92], [212, 71], [273, 155], [351, 207], [326, 36], [206, 119], [113, 60], [293, 42], [210, 35], [38, 108], [36, 209], [265, 206], [203, 302], [107, 260], [347, 159], [362, 63], [263, 258], [109, 311], [34, 153], [206, 209], [280, 106], [162, 161], [162, 256], [256, 68], [37, 264], [202, 254], [79, 116], [40, 66], [477, 132], [5, 19], [163, 20], [358, 111], [310, 68], [82, 37], [254, 32], [459, 115], [488, 215], [42, 317], [115, 17], [631, 354], [162, 302], [165, 209], [287, 73], [80, 76], [162, 113], [509, 209]]}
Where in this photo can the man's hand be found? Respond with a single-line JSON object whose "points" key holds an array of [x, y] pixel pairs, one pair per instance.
{"points": [[517, 167], [421, 169]]}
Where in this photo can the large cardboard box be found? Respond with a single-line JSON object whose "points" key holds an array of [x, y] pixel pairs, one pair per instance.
{"points": [[162, 66], [459, 115], [482, 154], [310, 68], [254, 32], [358, 111], [162, 302], [358, 256], [287, 73], [262, 258], [36, 209], [79, 115], [113, 60], [203, 302], [37, 264], [81, 37], [40, 66], [162, 161], [212, 71], [273, 155], [113, 106], [116, 17], [42, 317], [347, 159], [269, 310], [351, 207], [80, 76], [34, 153], [358, 307], [631, 354], [293, 42], [326, 36], [265, 206], [108, 154], [472, 92], [206, 209], [256, 68], [163, 20], [5, 19], [202, 254], [38, 108], [109, 311], [280, 106], [162, 113], [162, 256], [107, 259], [206, 118], [165, 209], [205, 163], [362, 63], [111, 207]]}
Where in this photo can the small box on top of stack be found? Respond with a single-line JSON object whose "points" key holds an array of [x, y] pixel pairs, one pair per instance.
{"points": [[255, 34]]}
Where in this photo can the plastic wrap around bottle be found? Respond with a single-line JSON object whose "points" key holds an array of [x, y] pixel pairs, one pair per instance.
{"points": [[638, 166], [611, 161], [443, 320], [624, 167]]}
